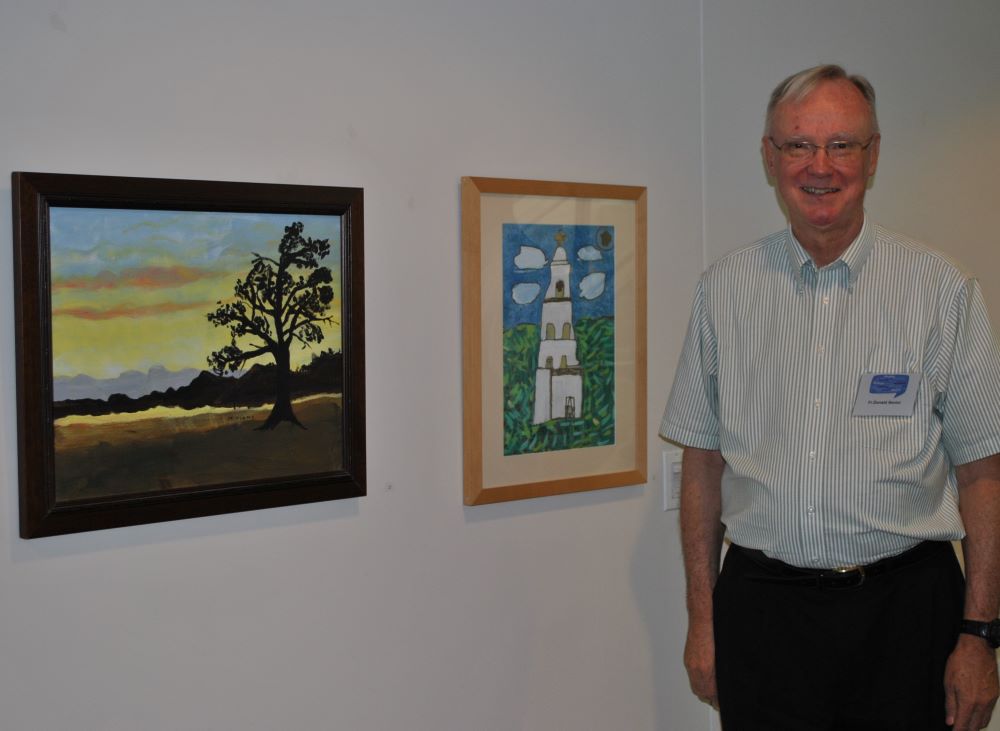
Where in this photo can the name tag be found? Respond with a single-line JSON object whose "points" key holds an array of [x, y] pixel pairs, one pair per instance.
{"points": [[887, 394]]}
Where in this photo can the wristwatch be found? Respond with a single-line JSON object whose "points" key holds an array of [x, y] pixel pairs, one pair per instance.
{"points": [[989, 631]]}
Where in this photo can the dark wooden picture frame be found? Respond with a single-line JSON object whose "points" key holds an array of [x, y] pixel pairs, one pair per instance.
{"points": [[329, 296]]}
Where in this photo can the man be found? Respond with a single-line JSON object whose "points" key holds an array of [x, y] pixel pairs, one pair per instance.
{"points": [[838, 396]]}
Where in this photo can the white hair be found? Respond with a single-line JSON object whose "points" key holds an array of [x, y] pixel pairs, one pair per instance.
{"points": [[798, 86]]}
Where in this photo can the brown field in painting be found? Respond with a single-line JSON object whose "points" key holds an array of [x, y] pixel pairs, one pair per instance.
{"points": [[104, 457]]}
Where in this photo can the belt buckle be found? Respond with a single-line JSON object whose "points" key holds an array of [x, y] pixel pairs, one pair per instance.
{"points": [[845, 571]]}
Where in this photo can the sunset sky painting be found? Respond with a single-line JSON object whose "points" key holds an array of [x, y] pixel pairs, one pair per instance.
{"points": [[131, 289]]}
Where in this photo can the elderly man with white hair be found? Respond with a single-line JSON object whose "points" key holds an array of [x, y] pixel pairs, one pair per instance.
{"points": [[838, 398]]}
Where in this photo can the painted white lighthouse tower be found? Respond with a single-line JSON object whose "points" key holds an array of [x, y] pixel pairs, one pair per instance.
{"points": [[558, 377]]}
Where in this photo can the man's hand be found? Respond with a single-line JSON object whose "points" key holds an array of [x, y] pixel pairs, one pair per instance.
{"points": [[699, 661], [970, 684]]}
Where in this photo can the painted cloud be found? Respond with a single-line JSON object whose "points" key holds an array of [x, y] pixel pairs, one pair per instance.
{"points": [[592, 286], [529, 257]]}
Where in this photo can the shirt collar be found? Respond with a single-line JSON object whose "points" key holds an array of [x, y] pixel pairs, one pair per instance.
{"points": [[854, 257]]}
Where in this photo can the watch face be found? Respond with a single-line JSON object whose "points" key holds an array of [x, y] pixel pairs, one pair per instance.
{"points": [[993, 634]]}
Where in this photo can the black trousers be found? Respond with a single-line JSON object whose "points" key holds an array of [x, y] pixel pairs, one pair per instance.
{"points": [[795, 657]]}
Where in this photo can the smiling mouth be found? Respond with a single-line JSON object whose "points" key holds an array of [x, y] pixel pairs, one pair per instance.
{"points": [[818, 191]]}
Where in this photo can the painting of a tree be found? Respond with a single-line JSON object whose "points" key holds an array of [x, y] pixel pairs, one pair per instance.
{"points": [[125, 287], [279, 302]]}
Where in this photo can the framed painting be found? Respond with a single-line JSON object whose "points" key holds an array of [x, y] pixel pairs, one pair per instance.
{"points": [[553, 337], [184, 348]]}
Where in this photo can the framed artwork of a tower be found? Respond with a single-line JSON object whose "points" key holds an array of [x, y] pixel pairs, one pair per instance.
{"points": [[553, 337]]}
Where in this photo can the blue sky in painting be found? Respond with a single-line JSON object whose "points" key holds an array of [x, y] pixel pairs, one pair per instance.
{"points": [[89, 241], [527, 250]]}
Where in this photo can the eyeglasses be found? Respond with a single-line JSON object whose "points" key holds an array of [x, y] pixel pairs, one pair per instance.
{"points": [[838, 150]]}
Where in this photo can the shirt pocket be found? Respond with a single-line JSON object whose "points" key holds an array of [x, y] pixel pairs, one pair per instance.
{"points": [[902, 435], [897, 434]]}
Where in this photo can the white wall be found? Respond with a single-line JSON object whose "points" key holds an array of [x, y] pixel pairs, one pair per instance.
{"points": [[401, 610], [404, 610], [936, 71]]}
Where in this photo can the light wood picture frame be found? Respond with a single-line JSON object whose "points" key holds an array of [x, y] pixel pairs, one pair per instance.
{"points": [[553, 337]]}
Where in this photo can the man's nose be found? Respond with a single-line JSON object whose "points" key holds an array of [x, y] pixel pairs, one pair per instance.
{"points": [[820, 162]]}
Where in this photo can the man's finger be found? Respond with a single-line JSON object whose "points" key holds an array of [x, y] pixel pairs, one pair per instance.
{"points": [[950, 705]]}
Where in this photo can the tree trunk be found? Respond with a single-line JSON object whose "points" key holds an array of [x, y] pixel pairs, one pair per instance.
{"points": [[282, 410]]}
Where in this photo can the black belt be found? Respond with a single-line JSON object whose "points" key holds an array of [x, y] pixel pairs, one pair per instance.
{"points": [[840, 577]]}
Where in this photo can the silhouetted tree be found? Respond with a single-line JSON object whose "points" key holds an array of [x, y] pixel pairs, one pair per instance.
{"points": [[275, 306]]}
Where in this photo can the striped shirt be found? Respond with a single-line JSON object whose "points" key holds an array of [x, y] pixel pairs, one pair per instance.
{"points": [[770, 372]]}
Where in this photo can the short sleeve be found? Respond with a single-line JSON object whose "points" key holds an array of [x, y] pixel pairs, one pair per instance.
{"points": [[692, 414], [970, 406]]}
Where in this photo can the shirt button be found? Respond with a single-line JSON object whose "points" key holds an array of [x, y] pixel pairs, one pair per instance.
{"points": [[826, 300], [817, 403], [811, 509], [820, 349], [812, 454]]}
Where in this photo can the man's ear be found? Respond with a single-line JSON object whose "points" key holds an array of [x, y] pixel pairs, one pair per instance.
{"points": [[872, 152], [770, 159]]}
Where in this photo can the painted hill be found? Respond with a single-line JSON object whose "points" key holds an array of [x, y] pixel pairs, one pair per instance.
{"points": [[325, 374], [131, 383]]}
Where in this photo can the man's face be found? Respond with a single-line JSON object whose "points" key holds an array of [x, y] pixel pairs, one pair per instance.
{"points": [[824, 198]]}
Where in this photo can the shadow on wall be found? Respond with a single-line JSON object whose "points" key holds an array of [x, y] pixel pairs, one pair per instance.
{"points": [[658, 583]]}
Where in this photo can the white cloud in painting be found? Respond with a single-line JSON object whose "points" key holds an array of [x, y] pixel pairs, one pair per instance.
{"points": [[529, 257], [589, 253], [525, 294], [592, 286]]}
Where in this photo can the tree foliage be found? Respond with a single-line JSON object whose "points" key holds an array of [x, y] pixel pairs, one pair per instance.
{"points": [[279, 302], [595, 350]]}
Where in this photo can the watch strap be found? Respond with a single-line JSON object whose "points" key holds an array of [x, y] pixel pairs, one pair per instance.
{"points": [[989, 631]]}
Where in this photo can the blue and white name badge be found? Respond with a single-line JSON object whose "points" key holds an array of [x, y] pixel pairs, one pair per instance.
{"points": [[887, 394]]}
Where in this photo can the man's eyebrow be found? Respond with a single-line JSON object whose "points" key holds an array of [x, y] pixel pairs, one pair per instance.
{"points": [[835, 137]]}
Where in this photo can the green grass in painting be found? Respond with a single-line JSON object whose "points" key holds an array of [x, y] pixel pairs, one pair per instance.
{"points": [[595, 344]]}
